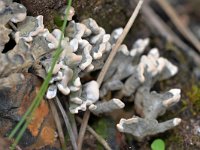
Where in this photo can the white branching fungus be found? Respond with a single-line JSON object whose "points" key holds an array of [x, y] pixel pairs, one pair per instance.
{"points": [[106, 107], [85, 49], [141, 128]]}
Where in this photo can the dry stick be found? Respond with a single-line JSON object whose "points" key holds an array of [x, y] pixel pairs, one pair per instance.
{"points": [[74, 126], [58, 123], [179, 25], [82, 129], [66, 120], [18, 148], [105, 68], [97, 136], [157, 24], [118, 43]]}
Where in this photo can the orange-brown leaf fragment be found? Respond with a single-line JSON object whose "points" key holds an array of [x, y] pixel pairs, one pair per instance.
{"points": [[38, 117], [48, 135], [25, 92]]}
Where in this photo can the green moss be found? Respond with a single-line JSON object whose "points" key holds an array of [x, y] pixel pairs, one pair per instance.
{"points": [[58, 21], [180, 56], [179, 140], [194, 99], [101, 127], [174, 140]]}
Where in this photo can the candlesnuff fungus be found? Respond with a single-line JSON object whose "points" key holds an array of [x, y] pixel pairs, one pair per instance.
{"points": [[152, 104], [89, 95], [149, 105], [124, 65], [141, 128], [83, 50], [30, 27], [150, 69], [51, 92], [108, 106], [70, 15]]}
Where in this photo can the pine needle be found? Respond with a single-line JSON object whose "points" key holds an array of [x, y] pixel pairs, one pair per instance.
{"points": [[68, 125], [58, 123]]}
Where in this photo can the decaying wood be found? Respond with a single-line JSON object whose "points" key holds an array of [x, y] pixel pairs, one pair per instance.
{"points": [[15, 99], [21, 57]]}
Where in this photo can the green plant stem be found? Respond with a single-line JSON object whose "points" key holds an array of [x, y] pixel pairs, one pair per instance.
{"points": [[37, 103], [20, 135], [30, 109], [38, 98]]}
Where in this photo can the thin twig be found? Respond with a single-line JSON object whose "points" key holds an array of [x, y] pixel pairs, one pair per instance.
{"points": [[106, 67], [118, 43], [82, 129], [97, 136], [58, 123], [179, 24], [66, 120], [18, 148], [72, 121]]}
